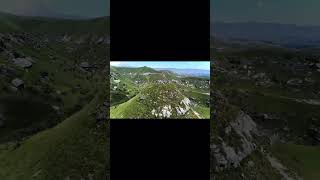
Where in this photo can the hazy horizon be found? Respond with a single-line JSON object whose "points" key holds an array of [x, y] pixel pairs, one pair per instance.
{"points": [[195, 65], [262, 11], [57, 8]]}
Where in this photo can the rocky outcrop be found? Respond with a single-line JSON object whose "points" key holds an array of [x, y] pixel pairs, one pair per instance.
{"points": [[228, 155], [23, 62], [183, 110], [244, 125], [17, 83], [102, 112], [165, 112]]}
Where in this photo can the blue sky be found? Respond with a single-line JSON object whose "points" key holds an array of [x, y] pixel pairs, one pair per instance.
{"points": [[205, 65]]}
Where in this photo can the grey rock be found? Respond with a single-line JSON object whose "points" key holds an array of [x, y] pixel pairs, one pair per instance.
{"points": [[259, 76], [227, 156], [250, 163], [85, 65], [227, 130], [23, 62], [244, 125], [142, 97], [294, 82], [221, 162], [231, 156], [106, 103], [17, 82], [56, 108]]}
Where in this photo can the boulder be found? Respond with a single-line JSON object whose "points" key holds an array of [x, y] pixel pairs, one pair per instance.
{"points": [[166, 111], [23, 62], [106, 103], [84, 65], [294, 82], [142, 97], [17, 83], [56, 108]]}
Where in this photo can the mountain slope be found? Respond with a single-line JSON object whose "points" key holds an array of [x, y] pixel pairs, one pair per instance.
{"points": [[61, 152], [147, 93], [156, 101], [58, 65]]}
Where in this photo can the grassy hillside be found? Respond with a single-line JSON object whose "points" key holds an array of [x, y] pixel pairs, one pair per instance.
{"points": [[144, 92], [75, 148], [278, 89], [303, 159], [53, 124]]}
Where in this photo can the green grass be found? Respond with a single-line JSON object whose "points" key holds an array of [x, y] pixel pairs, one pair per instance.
{"points": [[69, 149], [203, 111], [156, 95], [129, 109], [305, 160]]}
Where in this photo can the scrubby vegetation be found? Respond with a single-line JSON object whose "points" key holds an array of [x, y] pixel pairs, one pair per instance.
{"points": [[278, 90], [148, 93], [53, 108]]}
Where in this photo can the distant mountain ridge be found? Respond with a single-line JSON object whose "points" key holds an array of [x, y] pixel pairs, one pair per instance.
{"points": [[187, 72], [10, 23], [287, 35]]}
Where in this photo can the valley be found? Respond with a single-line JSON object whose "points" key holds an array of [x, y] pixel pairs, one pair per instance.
{"points": [[146, 93]]}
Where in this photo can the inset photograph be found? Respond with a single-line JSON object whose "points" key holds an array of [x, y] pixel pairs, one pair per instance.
{"points": [[160, 89]]}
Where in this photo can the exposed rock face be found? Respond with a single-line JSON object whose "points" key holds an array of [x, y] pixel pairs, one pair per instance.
{"points": [[102, 112], [100, 40], [17, 83], [66, 38], [186, 101], [244, 125], [182, 111], [226, 156], [23, 62], [165, 112]]}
